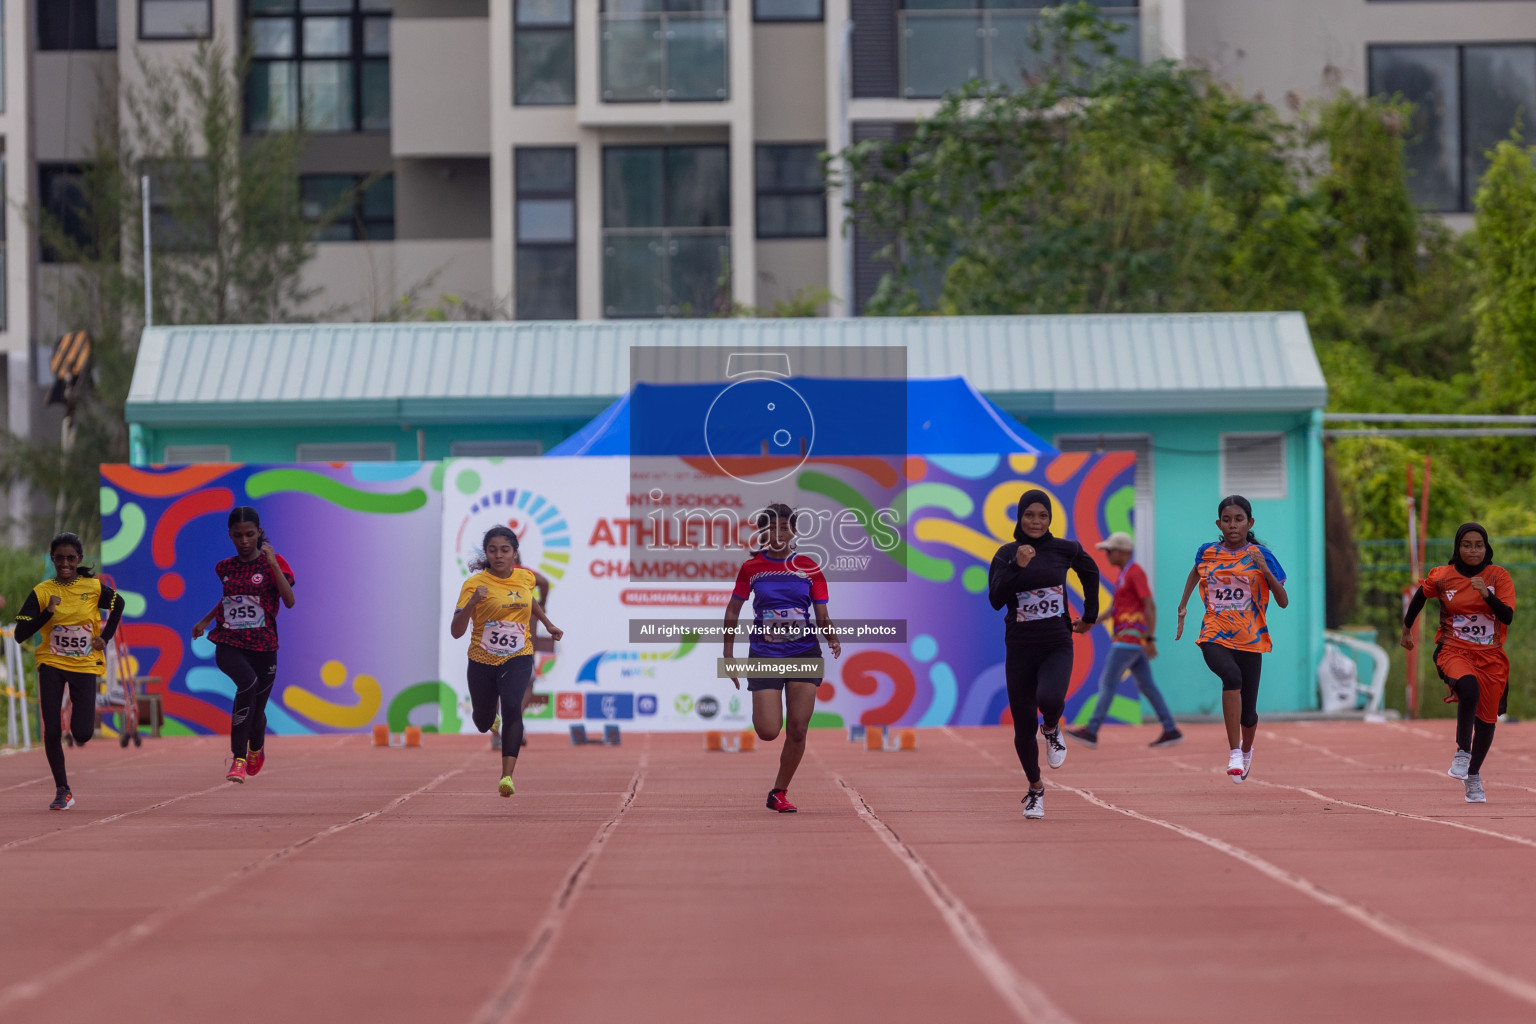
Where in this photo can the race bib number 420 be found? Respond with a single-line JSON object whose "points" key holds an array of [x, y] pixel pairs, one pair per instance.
{"points": [[1474, 629], [1045, 603], [243, 611], [70, 641], [1227, 594], [503, 639]]}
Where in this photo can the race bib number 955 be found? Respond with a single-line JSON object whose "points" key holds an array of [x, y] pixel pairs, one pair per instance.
{"points": [[1474, 629], [243, 611], [1045, 603], [70, 641], [503, 639], [1227, 594]]}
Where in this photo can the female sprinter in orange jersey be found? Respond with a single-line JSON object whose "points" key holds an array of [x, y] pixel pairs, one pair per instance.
{"points": [[1477, 604]]}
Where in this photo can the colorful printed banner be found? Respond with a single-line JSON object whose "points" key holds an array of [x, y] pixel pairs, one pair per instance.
{"points": [[369, 642]]}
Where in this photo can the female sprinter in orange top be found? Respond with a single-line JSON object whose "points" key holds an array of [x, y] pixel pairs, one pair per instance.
{"points": [[1477, 604]]}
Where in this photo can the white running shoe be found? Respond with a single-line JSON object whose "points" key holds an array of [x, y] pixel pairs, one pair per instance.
{"points": [[1459, 765], [1034, 803], [1235, 766], [1247, 764], [1055, 750], [1475, 794]]}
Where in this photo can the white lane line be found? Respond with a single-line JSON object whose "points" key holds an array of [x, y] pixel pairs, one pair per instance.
{"points": [[507, 1000], [1419, 769], [1027, 1000], [27, 840], [1478, 970], [1389, 812], [24, 991]]}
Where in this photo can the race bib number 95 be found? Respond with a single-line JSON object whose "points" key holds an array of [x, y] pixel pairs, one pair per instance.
{"points": [[1227, 594], [1045, 603], [503, 639], [70, 641], [1474, 629], [243, 611]]}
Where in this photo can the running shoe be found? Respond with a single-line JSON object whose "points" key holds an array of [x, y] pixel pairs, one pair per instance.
{"points": [[1475, 794], [1460, 764], [254, 761], [1235, 766], [1055, 750], [236, 771], [778, 801], [63, 800], [1087, 737], [1247, 764], [1034, 803], [1168, 738], [505, 787]]}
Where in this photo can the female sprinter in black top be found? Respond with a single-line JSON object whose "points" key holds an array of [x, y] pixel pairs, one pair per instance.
{"points": [[245, 638], [1029, 578], [71, 653]]}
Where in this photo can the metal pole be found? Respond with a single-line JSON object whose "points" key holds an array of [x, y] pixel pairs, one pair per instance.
{"points": [[1392, 417], [844, 91], [149, 273]]}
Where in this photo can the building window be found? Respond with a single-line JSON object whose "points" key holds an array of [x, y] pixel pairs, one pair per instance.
{"points": [[543, 52], [66, 234], [322, 65], [76, 24], [944, 46], [1466, 99], [1253, 465], [664, 50], [360, 451], [791, 194], [349, 207], [666, 230], [175, 19], [546, 233], [786, 10]]}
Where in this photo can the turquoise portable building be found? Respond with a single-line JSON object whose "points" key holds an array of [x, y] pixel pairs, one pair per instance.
{"points": [[1211, 403]]}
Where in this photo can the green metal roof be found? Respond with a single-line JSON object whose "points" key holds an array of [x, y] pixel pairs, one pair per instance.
{"points": [[462, 372]]}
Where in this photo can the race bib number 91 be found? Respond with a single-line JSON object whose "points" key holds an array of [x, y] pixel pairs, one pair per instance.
{"points": [[1227, 594], [1474, 629], [243, 611], [70, 641], [1045, 603], [503, 639]]}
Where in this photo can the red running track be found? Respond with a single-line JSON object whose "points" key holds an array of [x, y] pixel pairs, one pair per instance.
{"points": [[1347, 880]]}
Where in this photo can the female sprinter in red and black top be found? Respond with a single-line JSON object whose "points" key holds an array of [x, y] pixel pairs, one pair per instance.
{"points": [[71, 654], [245, 639], [1236, 575], [1029, 578], [784, 588], [1477, 604]]}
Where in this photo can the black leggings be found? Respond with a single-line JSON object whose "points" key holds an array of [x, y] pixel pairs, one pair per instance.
{"points": [[1237, 670], [1037, 686], [51, 683], [254, 672], [1472, 733], [506, 683]]}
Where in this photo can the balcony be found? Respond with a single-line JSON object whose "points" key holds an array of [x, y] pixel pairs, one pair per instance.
{"points": [[665, 51], [944, 48]]}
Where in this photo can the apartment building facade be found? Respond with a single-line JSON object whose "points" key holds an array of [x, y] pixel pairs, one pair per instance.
{"points": [[585, 159]]}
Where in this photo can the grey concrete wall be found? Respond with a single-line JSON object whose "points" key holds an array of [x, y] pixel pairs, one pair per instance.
{"points": [[443, 198], [789, 96], [440, 73], [785, 266]]}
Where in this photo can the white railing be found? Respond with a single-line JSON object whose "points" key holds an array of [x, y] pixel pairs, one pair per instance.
{"points": [[18, 724], [1374, 691]]}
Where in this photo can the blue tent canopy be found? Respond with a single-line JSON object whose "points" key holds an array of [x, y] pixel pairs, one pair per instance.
{"points": [[944, 416]]}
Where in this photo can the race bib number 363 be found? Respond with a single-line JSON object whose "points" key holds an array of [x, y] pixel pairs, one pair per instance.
{"points": [[1474, 629], [243, 611], [70, 641], [1227, 593], [1045, 603], [503, 639]]}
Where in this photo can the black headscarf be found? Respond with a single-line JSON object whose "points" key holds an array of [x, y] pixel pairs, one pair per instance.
{"points": [[1033, 496], [1463, 567]]}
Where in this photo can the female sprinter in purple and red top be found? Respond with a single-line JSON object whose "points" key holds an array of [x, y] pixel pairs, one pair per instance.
{"points": [[784, 587], [1236, 575], [245, 639]]}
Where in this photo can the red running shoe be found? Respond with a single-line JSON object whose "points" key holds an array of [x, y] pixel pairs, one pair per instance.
{"points": [[254, 762], [236, 771], [777, 802]]}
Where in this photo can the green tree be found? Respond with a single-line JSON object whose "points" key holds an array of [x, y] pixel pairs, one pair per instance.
{"points": [[1504, 307]]}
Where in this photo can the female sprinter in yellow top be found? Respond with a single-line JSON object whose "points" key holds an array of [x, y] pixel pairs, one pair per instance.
{"points": [[71, 653], [499, 600]]}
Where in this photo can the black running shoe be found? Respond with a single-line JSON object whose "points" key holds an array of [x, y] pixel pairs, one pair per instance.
{"points": [[1168, 738], [63, 801], [1087, 737]]}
